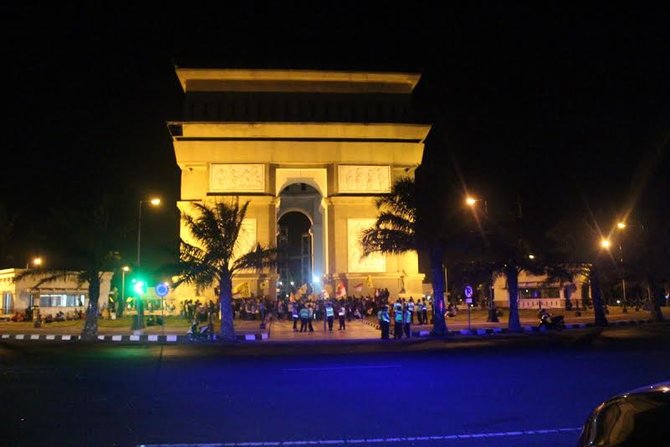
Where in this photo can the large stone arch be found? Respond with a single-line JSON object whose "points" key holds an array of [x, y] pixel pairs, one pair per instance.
{"points": [[252, 133]]}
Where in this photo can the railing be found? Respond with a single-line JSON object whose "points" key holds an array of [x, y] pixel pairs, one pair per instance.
{"points": [[546, 303]]}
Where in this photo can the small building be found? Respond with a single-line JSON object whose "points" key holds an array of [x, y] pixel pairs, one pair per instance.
{"points": [[64, 294], [535, 292]]}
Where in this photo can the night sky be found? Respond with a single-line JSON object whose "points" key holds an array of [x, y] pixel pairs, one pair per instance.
{"points": [[564, 107]]}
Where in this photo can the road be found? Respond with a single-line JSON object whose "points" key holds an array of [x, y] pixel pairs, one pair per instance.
{"points": [[521, 390]]}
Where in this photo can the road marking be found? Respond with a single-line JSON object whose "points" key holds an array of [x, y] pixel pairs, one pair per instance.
{"points": [[336, 368], [376, 440]]}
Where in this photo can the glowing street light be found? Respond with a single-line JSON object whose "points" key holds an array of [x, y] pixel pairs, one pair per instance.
{"points": [[37, 262], [472, 203], [621, 225], [605, 243]]}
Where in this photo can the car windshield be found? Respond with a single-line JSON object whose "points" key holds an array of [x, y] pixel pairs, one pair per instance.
{"points": [[630, 420]]}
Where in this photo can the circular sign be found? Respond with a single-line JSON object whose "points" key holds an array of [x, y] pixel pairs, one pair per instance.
{"points": [[162, 289], [468, 291]]}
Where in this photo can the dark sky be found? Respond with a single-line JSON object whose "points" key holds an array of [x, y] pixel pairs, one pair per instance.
{"points": [[562, 105]]}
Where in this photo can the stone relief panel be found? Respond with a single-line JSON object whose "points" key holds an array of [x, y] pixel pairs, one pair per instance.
{"points": [[364, 179], [236, 177], [373, 263]]}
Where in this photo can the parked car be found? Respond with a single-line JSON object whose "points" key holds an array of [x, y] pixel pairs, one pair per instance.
{"points": [[640, 417]]}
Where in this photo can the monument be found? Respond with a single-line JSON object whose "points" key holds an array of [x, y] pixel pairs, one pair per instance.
{"points": [[324, 144]]}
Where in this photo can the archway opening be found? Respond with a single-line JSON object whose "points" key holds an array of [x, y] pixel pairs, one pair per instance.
{"points": [[294, 241]]}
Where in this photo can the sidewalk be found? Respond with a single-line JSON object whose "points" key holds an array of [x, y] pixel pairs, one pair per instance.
{"points": [[282, 331], [528, 318]]}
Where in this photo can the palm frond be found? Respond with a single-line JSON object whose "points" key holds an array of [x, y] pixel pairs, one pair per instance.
{"points": [[258, 259]]}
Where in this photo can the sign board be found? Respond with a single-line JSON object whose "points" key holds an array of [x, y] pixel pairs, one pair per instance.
{"points": [[468, 291], [468, 301], [162, 289]]}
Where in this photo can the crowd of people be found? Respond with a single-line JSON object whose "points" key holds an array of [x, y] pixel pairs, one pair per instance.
{"points": [[402, 314], [302, 311]]}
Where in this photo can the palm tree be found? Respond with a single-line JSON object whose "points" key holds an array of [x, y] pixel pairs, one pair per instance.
{"points": [[86, 241], [6, 228], [212, 260], [398, 230], [574, 252]]}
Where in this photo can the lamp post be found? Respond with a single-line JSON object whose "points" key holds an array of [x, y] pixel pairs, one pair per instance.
{"points": [[125, 269], [492, 314], [472, 203], [622, 226], [155, 201]]}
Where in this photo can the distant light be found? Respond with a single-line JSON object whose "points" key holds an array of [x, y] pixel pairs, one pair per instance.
{"points": [[281, 283], [621, 225], [531, 256], [316, 279], [605, 243], [618, 301], [125, 268], [155, 201], [470, 201], [37, 261], [292, 283]]}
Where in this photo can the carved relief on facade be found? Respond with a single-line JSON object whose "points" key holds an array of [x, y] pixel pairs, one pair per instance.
{"points": [[364, 179], [373, 263], [236, 177]]}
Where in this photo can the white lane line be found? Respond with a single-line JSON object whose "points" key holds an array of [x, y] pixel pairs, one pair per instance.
{"points": [[376, 440], [335, 368]]}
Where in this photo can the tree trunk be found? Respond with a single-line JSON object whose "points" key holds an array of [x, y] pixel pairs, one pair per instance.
{"points": [[655, 298], [596, 297], [226, 301], [90, 330], [512, 276], [437, 277]]}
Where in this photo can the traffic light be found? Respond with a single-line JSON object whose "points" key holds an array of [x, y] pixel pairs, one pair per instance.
{"points": [[140, 286]]}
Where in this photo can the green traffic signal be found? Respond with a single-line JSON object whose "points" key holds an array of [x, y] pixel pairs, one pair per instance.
{"points": [[140, 287]]}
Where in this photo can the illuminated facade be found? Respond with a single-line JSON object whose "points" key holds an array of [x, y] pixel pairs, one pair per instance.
{"points": [[64, 294], [344, 137], [536, 292]]}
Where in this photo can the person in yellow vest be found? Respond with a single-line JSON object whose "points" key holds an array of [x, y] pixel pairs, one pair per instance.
{"points": [[341, 315], [384, 321], [407, 321], [398, 318], [330, 315], [304, 318]]}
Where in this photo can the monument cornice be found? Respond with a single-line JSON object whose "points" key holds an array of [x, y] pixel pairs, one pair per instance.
{"points": [[295, 81], [185, 130]]}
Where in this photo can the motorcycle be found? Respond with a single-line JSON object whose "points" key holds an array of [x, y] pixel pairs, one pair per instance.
{"points": [[199, 332], [548, 321]]}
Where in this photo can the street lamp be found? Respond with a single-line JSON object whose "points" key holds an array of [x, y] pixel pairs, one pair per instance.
{"points": [[472, 203], [607, 244], [154, 201], [622, 226], [125, 269]]}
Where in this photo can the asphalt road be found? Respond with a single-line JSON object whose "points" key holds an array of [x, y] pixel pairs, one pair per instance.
{"points": [[526, 390]]}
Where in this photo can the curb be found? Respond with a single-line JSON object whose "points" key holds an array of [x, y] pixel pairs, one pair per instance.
{"points": [[524, 329], [263, 336], [127, 338]]}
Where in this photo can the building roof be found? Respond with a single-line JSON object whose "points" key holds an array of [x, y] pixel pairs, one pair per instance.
{"points": [[294, 81]]}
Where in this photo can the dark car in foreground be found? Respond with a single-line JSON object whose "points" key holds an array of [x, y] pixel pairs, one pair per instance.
{"points": [[640, 417]]}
